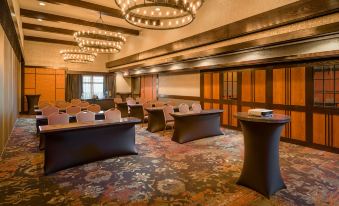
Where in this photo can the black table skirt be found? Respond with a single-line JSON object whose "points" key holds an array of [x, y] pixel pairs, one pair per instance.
{"points": [[192, 127], [123, 108], [261, 170], [156, 119], [66, 149]]}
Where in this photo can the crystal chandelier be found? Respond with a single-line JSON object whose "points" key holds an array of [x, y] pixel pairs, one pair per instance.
{"points": [[99, 41], [78, 56], [159, 14]]}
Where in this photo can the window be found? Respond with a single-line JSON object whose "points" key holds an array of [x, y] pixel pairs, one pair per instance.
{"points": [[92, 85], [230, 85], [326, 86]]}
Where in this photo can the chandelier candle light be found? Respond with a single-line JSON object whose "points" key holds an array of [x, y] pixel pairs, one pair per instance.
{"points": [[159, 14], [78, 56]]}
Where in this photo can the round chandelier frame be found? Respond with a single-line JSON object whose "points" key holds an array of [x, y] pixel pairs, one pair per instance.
{"points": [[159, 14], [99, 41], [78, 56]]}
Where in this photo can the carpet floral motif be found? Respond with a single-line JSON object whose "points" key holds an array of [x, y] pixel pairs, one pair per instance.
{"points": [[198, 173]]}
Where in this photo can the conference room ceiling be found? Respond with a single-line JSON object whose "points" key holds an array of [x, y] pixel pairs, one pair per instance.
{"points": [[72, 15]]}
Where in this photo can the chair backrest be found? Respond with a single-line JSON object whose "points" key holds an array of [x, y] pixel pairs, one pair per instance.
{"points": [[75, 101], [130, 101], [84, 104], [58, 118], [167, 110], [85, 116], [43, 104], [159, 104], [73, 110], [49, 110], [113, 115], [117, 100], [183, 108], [94, 108], [196, 107]]}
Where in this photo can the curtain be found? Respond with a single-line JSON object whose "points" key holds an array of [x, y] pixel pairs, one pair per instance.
{"points": [[109, 86], [73, 86]]}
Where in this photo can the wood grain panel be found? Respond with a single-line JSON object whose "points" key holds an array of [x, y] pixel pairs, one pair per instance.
{"points": [[215, 106], [298, 126], [335, 131], [260, 86], [29, 70], [246, 94], [216, 85], [45, 85], [207, 85], [279, 86], [60, 71], [245, 108], [319, 128], [60, 81], [29, 91], [283, 132], [225, 114], [29, 81], [60, 94], [207, 105], [44, 71], [298, 86], [234, 120]]}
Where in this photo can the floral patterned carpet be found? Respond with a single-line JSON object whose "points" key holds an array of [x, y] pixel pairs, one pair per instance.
{"points": [[198, 173]]}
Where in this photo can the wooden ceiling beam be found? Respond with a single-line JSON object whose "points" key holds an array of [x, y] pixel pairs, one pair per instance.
{"points": [[87, 5], [56, 18], [47, 40], [36, 27]]}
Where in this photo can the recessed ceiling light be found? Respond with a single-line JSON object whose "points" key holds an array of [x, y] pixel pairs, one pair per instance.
{"points": [[39, 19], [157, 9], [42, 3]]}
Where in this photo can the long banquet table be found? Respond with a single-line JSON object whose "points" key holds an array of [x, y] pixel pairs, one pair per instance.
{"points": [[196, 125], [78, 143]]}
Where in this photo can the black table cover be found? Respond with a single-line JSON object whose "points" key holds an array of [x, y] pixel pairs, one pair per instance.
{"points": [[71, 146], [192, 126], [156, 119], [261, 170]]}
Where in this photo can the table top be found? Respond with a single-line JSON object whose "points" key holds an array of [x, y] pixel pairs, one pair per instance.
{"points": [[81, 125], [191, 113], [275, 118], [135, 105], [70, 115]]}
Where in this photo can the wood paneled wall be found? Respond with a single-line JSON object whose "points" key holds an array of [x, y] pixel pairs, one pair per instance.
{"points": [[48, 82], [148, 87], [285, 90]]}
